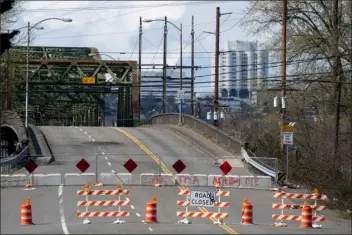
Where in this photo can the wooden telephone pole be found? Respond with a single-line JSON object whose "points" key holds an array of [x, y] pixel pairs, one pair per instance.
{"points": [[283, 72], [192, 71]]}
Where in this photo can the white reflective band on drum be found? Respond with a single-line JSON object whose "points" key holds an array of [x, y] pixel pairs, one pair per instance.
{"points": [[26, 210]]}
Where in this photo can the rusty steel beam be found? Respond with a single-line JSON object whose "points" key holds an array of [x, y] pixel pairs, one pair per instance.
{"points": [[132, 64], [70, 61]]}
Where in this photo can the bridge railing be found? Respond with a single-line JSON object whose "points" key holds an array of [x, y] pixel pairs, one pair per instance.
{"points": [[232, 143], [7, 163]]}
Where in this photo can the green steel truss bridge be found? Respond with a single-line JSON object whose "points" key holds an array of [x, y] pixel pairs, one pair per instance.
{"points": [[56, 93]]}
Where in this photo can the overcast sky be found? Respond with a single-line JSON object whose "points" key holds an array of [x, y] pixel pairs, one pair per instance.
{"points": [[112, 26]]}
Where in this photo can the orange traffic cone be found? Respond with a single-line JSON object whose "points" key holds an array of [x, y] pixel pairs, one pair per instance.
{"points": [[151, 211], [26, 213], [247, 214], [306, 221]]}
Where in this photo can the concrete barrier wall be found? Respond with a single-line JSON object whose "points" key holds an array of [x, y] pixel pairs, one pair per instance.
{"points": [[79, 179], [14, 180], [192, 180], [196, 180], [47, 179], [114, 179], [151, 179], [262, 182], [228, 181]]}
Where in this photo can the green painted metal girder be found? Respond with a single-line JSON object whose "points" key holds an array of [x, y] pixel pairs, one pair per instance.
{"points": [[55, 88]]}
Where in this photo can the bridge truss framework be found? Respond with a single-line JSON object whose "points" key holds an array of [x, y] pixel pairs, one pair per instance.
{"points": [[57, 95]]}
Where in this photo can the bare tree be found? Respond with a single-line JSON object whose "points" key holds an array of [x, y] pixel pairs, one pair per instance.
{"points": [[318, 44]]}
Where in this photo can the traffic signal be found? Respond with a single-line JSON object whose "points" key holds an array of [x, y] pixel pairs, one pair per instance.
{"points": [[6, 37]]}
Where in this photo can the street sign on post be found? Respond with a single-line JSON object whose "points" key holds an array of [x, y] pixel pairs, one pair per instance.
{"points": [[31, 166], [288, 128], [225, 167], [288, 138], [130, 165], [82, 165], [202, 198], [88, 80], [180, 94], [179, 166]]}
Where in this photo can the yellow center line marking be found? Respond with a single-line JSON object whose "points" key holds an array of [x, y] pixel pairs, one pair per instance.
{"points": [[167, 171]]}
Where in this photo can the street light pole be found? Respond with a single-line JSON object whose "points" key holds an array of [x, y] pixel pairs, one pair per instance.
{"points": [[181, 98], [216, 87], [164, 66], [29, 28], [164, 62], [27, 76]]}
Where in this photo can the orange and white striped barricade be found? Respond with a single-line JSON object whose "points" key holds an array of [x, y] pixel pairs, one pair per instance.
{"points": [[187, 203], [282, 206], [118, 203]]}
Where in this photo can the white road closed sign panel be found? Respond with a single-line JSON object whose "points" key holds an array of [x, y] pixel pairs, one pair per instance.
{"points": [[202, 198]]}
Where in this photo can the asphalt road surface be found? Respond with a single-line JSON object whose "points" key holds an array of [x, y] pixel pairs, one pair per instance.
{"points": [[54, 208]]}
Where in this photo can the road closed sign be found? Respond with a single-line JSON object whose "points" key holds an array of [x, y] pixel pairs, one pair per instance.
{"points": [[202, 198]]}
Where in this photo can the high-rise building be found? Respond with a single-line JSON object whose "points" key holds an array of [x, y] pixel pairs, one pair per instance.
{"points": [[152, 83], [152, 89], [243, 69]]}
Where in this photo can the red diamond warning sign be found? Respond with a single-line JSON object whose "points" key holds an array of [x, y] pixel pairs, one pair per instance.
{"points": [[130, 165], [83, 165], [179, 166], [31, 166], [226, 167]]}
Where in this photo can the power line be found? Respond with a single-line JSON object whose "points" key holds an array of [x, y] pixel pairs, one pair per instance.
{"points": [[145, 38], [114, 33], [264, 79], [161, 40], [242, 18], [134, 48], [83, 9], [123, 7], [94, 21]]}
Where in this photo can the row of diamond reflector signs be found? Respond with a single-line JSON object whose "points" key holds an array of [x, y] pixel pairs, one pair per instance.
{"points": [[130, 166]]}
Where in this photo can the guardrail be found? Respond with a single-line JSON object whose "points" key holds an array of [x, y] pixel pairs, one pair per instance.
{"points": [[6, 163], [215, 133]]}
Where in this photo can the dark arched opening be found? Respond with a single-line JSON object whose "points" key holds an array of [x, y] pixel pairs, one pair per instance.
{"points": [[224, 93], [244, 94], [233, 93], [9, 141]]}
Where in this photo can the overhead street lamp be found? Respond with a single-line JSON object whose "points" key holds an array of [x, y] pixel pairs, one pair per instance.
{"points": [[29, 28], [180, 30]]}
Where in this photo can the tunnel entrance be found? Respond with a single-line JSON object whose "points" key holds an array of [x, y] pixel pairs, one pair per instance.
{"points": [[9, 141]]}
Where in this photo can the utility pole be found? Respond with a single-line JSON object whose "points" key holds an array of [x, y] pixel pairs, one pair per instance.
{"points": [[283, 71], [180, 112], [283, 104], [217, 45], [139, 61], [164, 66], [192, 71]]}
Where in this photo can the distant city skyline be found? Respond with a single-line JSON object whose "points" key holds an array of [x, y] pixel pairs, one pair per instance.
{"points": [[243, 67]]}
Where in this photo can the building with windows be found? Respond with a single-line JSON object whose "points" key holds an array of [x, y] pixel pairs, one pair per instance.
{"points": [[243, 69], [152, 82], [152, 88]]}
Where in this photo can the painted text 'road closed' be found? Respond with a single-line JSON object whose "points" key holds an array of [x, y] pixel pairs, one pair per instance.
{"points": [[201, 198]]}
